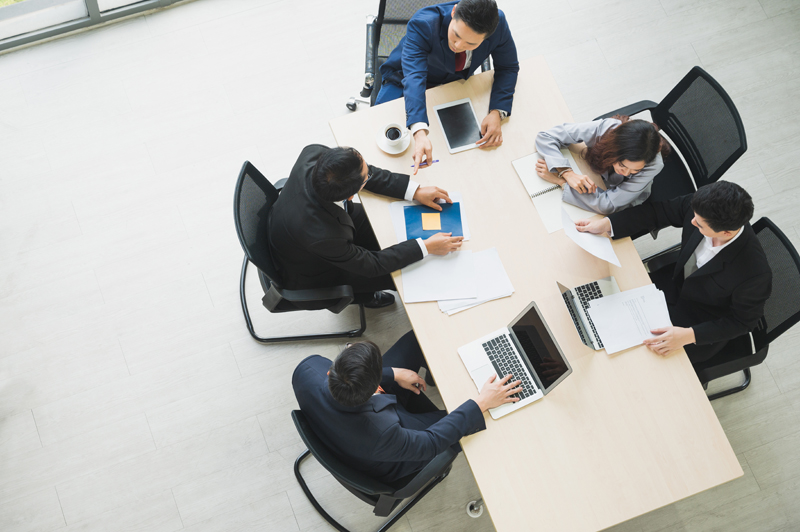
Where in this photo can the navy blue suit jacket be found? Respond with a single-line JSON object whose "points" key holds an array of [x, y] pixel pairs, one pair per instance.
{"points": [[423, 59], [370, 437]]}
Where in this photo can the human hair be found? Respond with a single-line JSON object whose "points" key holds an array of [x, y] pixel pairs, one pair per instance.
{"points": [[356, 374], [480, 15], [725, 206], [632, 140], [337, 174]]}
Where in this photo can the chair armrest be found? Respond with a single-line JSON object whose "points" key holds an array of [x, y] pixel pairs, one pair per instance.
{"points": [[280, 184], [318, 294], [369, 58], [486, 65], [435, 467], [630, 110], [655, 262]]}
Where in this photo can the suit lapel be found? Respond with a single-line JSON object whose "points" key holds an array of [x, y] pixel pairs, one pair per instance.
{"points": [[686, 251], [447, 53], [727, 254]]}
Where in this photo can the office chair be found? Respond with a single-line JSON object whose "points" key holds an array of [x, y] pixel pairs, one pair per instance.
{"points": [[383, 497], [781, 311], [704, 126], [384, 33], [252, 202]]}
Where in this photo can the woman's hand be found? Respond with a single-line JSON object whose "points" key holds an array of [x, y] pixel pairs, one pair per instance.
{"points": [[582, 184], [543, 172]]}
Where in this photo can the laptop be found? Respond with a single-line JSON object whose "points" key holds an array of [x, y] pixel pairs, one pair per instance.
{"points": [[577, 301], [525, 349]]}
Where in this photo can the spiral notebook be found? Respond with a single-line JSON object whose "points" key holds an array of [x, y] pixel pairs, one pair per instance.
{"points": [[546, 196]]}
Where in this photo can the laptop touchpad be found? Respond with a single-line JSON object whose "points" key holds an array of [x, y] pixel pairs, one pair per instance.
{"points": [[482, 374]]}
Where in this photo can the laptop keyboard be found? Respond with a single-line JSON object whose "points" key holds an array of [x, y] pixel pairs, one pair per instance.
{"points": [[506, 362], [586, 293]]}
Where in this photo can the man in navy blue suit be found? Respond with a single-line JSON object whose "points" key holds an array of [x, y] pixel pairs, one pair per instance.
{"points": [[444, 43], [371, 412]]}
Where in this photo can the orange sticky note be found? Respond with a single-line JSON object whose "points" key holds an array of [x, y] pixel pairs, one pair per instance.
{"points": [[431, 221]]}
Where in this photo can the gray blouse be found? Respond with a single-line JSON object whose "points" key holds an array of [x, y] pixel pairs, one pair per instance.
{"points": [[621, 191]]}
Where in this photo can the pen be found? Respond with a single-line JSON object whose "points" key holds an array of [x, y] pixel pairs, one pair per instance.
{"points": [[425, 163]]}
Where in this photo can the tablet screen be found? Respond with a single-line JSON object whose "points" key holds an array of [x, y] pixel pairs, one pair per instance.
{"points": [[459, 125]]}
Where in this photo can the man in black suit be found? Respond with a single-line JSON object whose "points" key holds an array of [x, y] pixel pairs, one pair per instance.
{"points": [[316, 243], [717, 289], [371, 412]]}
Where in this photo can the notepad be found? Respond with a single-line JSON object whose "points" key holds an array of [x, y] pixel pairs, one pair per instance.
{"points": [[546, 196], [448, 220], [397, 212]]}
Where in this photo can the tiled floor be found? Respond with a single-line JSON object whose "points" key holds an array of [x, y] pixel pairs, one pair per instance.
{"points": [[132, 397]]}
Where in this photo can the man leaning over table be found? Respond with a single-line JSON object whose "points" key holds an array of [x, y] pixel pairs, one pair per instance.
{"points": [[717, 289], [444, 43], [320, 238]]}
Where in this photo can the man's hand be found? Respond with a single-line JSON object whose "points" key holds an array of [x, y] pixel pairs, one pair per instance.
{"points": [[409, 380], [596, 227], [582, 184], [669, 339], [443, 243], [429, 195], [543, 172], [422, 147], [490, 129], [496, 392]]}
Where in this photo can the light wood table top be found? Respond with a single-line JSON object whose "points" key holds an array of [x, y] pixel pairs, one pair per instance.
{"points": [[621, 436]]}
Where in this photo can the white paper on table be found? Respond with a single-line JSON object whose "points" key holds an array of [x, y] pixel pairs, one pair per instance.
{"points": [[548, 204], [399, 218], [597, 245], [491, 280], [625, 319], [437, 277]]}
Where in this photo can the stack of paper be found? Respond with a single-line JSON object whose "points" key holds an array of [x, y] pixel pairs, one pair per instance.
{"points": [[491, 280], [625, 319], [458, 281]]}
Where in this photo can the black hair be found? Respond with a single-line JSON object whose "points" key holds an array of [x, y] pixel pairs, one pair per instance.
{"points": [[337, 174], [480, 15], [725, 206], [356, 374]]}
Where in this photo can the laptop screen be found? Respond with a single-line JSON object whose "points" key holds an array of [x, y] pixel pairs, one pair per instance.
{"points": [[540, 348]]}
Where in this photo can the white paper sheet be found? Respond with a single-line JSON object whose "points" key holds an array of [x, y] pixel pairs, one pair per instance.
{"points": [[625, 319], [549, 204], [597, 245], [399, 219], [437, 278], [491, 279]]}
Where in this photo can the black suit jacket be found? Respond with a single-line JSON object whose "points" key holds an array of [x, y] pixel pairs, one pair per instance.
{"points": [[371, 437], [723, 299], [312, 239]]}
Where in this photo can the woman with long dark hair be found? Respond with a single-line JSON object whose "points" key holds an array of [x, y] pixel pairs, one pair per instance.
{"points": [[626, 153]]}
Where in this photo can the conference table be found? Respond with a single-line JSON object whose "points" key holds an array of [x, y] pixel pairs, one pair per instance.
{"points": [[621, 436]]}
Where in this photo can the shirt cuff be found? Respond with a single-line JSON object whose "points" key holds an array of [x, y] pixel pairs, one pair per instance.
{"points": [[411, 190], [611, 231], [417, 126], [422, 247]]}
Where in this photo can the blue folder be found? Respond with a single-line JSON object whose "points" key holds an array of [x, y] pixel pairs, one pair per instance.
{"points": [[450, 217]]}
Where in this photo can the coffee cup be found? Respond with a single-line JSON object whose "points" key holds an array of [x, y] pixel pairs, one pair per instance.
{"points": [[394, 138]]}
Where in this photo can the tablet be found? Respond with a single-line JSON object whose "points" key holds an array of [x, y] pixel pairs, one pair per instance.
{"points": [[459, 124]]}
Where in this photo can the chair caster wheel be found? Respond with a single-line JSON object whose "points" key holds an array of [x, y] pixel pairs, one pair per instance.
{"points": [[475, 508], [351, 104]]}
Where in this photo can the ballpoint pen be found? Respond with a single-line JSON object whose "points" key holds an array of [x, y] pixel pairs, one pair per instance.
{"points": [[423, 163]]}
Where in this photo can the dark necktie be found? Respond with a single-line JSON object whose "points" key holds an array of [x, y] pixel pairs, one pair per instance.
{"points": [[461, 60]]}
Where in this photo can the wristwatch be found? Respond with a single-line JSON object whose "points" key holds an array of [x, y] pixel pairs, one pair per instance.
{"points": [[503, 114]]}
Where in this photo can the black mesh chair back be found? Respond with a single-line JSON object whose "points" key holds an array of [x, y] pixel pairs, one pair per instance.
{"points": [[385, 498], [389, 30], [253, 200], [782, 310], [703, 123]]}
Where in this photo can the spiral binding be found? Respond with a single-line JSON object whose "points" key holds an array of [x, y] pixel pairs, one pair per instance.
{"points": [[545, 191]]}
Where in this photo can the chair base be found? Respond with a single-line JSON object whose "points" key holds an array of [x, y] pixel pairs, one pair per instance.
{"points": [[334, 523], [733, 390], [354, 333]]}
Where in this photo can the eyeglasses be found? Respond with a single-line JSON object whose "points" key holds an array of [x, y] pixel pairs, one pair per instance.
{"points": [[631, 169], [369, 176]]}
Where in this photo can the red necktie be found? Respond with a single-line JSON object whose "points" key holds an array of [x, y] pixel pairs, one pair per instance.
{"points": [[461, 60]]}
